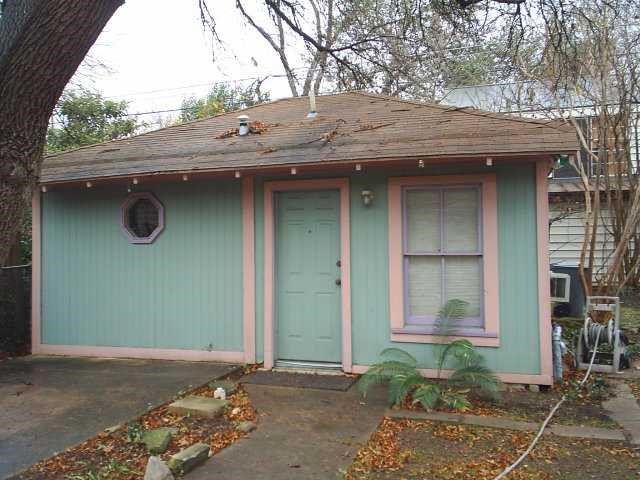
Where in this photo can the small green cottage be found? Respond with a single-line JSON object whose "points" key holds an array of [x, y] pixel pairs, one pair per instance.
{"points": [[301, 238]]}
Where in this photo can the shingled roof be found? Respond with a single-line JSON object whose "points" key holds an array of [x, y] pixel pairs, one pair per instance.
{"points": [[349, 126]]}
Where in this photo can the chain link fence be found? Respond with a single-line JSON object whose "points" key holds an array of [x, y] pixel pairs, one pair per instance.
{"points": [[15, 309]]}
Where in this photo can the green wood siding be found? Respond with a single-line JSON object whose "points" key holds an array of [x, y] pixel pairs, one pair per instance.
{"points": [[517, 251], [182, 291]]}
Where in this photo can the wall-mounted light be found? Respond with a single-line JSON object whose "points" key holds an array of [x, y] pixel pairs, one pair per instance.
{"points": [[489, 162], [420, 163], [89, 184], [43, 189], [185, 177], [294, 171], [237, 174], [358, 167], [367, 197]]}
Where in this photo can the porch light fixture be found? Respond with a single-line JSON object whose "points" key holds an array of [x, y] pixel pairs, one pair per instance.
{"points": [[89, 184], [489, 162], [294, 171], [367, 197], [185, 177], [420, 163], [43, 189], [135, 181], [237, 174], [358, 167]]}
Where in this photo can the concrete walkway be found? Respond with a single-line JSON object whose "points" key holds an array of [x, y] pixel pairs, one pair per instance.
{"points": [[624, 409], [302, 433], [50, 403]]}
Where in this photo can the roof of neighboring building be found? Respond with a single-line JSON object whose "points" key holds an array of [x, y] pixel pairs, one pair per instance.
{"points": [[516, 97], [349, 126]]}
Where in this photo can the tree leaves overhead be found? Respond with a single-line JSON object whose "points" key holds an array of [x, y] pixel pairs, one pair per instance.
{"points": [[222, 98], [83, 118]]}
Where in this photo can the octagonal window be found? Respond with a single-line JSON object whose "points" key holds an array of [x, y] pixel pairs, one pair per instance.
{"points": [[142, 217]]}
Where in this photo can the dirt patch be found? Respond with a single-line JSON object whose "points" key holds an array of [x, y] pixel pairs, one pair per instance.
{"points": [[582, 408], [534, 407], [418, 450], [116, 455]]}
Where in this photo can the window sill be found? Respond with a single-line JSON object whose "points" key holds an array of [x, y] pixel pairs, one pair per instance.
{"points": [[418, 334]]}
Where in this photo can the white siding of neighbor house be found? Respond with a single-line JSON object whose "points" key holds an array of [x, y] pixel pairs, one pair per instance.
{"points": [[566, 236]]}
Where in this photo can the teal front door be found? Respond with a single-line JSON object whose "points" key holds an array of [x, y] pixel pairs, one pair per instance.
{"points": [[308, 313]]}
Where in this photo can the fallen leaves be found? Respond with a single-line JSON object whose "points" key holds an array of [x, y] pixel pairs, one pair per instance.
{"points": [[442, 451], [255, 127], [111, 455], [382, 452]]}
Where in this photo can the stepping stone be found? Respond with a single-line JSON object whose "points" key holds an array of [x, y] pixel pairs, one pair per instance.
{"points": [[227, 385], [199, 406], [624, 409], [157, 440], [189, 458], [246, 427], [157, 470]]}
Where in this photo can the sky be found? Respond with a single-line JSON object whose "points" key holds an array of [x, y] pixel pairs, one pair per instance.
{"points": [[157, 53]]}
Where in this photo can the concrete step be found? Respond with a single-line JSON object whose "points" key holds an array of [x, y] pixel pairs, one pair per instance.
{"points": [[199, 406]]}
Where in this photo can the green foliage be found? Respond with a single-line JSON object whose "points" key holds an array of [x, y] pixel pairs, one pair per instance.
{"points": [[111, 469], [83, 118], [399, 369], [134, 432], [632, 350], [221, 98]]}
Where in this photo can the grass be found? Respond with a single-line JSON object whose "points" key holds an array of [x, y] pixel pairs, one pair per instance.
{"points": [[630, 318]]}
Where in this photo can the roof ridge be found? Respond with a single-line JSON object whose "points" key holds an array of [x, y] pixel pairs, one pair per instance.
{"points": [[468, 110], [116, 140]]}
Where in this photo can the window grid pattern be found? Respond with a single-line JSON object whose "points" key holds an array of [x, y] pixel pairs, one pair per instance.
{"points": [[433, 257]]}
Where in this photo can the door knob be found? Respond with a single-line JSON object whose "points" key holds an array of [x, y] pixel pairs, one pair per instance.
{"points": [[338, 281]]}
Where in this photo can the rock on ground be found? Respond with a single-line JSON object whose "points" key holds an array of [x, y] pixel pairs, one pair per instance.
{"points": [[189, 458], [228, 386], [246, 427], [198, 406], [157, 470], [157, 440]]}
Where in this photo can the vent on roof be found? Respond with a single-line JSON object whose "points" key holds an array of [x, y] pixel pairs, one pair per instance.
{"points": [[243, 129], [312, 104]]}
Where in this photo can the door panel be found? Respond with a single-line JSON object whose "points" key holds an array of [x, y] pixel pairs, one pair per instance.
{"points": [[308, 313]]}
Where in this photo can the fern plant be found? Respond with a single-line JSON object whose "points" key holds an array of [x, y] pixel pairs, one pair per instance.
{"points": [[399, 370]]}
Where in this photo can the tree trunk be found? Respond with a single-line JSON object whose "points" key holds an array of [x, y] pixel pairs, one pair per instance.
{"points": [[42, 42]]}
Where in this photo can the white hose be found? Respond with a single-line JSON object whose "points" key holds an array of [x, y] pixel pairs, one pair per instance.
{"points": [[511, 467]]}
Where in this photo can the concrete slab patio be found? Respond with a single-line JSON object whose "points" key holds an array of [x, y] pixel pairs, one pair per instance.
{"points": [[302, 433], [50, 403]]}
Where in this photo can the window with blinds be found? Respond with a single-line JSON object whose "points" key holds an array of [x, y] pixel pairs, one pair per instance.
{"points": [[442, 251]]}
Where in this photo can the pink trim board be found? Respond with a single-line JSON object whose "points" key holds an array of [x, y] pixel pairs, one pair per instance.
{"points": [[36, 270], [490, 256], [150, 353], [269, 244], [544, 295], [504, 377]]}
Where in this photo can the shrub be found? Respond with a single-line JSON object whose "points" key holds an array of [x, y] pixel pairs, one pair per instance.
{"points": [[399, 369]]}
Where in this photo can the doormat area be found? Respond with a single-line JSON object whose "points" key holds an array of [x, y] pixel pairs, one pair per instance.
{"points": [[340, 383]]}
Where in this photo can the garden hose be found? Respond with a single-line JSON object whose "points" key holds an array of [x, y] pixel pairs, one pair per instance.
{"points": [[596, 332]]}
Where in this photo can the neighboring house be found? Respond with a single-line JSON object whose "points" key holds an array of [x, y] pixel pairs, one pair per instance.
{"points": [[313, 240], [566, 197]]}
